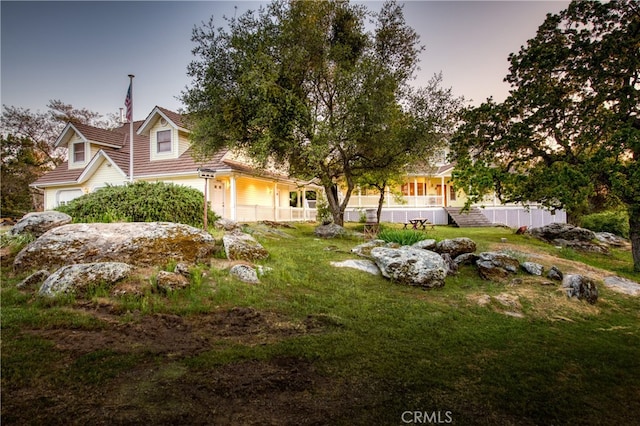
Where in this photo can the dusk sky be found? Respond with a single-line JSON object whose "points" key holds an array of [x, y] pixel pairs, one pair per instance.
{"points": [[81, 52]]}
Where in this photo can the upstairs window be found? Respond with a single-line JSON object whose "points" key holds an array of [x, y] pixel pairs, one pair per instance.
{"points": [[163, 138], [78, 152]]}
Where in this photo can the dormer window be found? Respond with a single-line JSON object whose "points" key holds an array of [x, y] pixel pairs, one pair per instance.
{"points": [[163, 144], [78, 152]]}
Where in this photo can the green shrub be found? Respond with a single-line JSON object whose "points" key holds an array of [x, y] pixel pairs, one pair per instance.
{"points": [[140, 202], [616, 222], [404, 237]]}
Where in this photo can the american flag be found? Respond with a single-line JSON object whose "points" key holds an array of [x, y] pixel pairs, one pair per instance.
{"points": [[128, 104]]}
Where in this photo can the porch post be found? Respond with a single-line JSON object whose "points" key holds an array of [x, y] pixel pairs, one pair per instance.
{"points": [[275, 201], [304, 203], [234, 198], [443, 192], [415, 191]]}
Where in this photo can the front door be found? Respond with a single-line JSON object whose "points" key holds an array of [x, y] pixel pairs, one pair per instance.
{"points": [[217, 197]]}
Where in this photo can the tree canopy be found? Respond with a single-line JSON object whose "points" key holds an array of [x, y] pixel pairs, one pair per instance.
{"points": [[304, 85], [568, 135], [28, 149]]}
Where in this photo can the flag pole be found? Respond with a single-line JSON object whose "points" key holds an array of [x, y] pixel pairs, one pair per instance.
{"points": [[130, 116]]}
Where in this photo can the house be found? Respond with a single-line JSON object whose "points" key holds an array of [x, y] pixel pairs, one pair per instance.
{"points": [[162, 153], [430, 194], [236, 190]]}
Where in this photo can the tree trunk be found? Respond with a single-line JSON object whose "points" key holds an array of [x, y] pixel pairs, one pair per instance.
{"points": [[380, 203], [634, 234], [333, 199]]}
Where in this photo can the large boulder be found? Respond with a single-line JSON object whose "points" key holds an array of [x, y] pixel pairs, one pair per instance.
{"points": [[495, 266], [428, 244], [566, 235], [580, 287], [241, 246], [78, 278], [562, 231], [135, 243], [330, 230], [456, 246], [37, 223], [411, 266], [612, 240]]}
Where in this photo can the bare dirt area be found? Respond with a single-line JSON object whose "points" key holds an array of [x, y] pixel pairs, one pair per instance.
{"points": [[565, 265], [153, 382]]}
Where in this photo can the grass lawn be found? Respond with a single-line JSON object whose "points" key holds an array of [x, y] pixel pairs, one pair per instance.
{"points": [[314, 344]]}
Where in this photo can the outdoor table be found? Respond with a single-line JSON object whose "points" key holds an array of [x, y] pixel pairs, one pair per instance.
{"points": [[419, 222]]}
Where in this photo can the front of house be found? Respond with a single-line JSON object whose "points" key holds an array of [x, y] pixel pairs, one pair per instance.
{"points": [[234, 188], [162, 153]]}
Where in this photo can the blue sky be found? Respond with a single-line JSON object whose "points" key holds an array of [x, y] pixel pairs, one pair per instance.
{"points": [[81, 52]]}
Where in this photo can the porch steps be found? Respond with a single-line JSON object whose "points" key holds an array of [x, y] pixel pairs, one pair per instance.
{"points": [[468, 219]]}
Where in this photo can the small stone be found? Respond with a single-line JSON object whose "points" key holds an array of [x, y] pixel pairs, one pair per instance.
{"points": [[532, 268], [555, 274], [171, 281], [580, 287], [245, 273]]}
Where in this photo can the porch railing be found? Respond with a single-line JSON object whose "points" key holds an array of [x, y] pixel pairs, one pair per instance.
{"points": [[390, 201]]}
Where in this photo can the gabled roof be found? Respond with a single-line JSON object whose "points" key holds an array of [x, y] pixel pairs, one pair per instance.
{"points": [[93, 165], [173, 118], [115, 149], [91, 134]]}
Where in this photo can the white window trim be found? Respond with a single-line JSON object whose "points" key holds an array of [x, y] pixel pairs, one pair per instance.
{"points": [[157, 150], [73, 152]]}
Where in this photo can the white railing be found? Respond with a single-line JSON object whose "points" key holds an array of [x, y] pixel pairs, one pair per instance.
{"points": [[256, 213], [368, 201], [512, 216]]}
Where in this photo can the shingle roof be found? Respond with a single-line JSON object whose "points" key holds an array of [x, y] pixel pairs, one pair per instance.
{"points": [[143, 166], [98, 135], [59, 175]]}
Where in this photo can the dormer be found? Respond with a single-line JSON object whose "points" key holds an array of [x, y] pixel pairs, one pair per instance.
{"points": [[83, 142], [168, 138]]}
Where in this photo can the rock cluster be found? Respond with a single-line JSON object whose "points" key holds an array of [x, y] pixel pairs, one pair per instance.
{"points": [[566, 235], [427, 263], [72, 258]]}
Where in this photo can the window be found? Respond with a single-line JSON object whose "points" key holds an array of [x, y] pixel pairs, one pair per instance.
{"points": [[78, 152], [452, 193], [163, 141]]}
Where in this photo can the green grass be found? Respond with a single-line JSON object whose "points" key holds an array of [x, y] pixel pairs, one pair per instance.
{"points": [[396, 348]]}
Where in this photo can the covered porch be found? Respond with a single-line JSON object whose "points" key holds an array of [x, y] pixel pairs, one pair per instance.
{"points": [[416, 191], [247, 198]]}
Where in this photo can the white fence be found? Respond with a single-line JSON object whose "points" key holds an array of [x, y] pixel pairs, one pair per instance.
{"points": [[514, 217], [255, 213]]}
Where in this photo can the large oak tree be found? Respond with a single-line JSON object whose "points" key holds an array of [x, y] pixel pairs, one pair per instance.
{"points": [[306, 86], [569, 132]]}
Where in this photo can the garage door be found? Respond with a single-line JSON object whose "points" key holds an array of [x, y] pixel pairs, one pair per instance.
{"points": [[66, 195]]}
